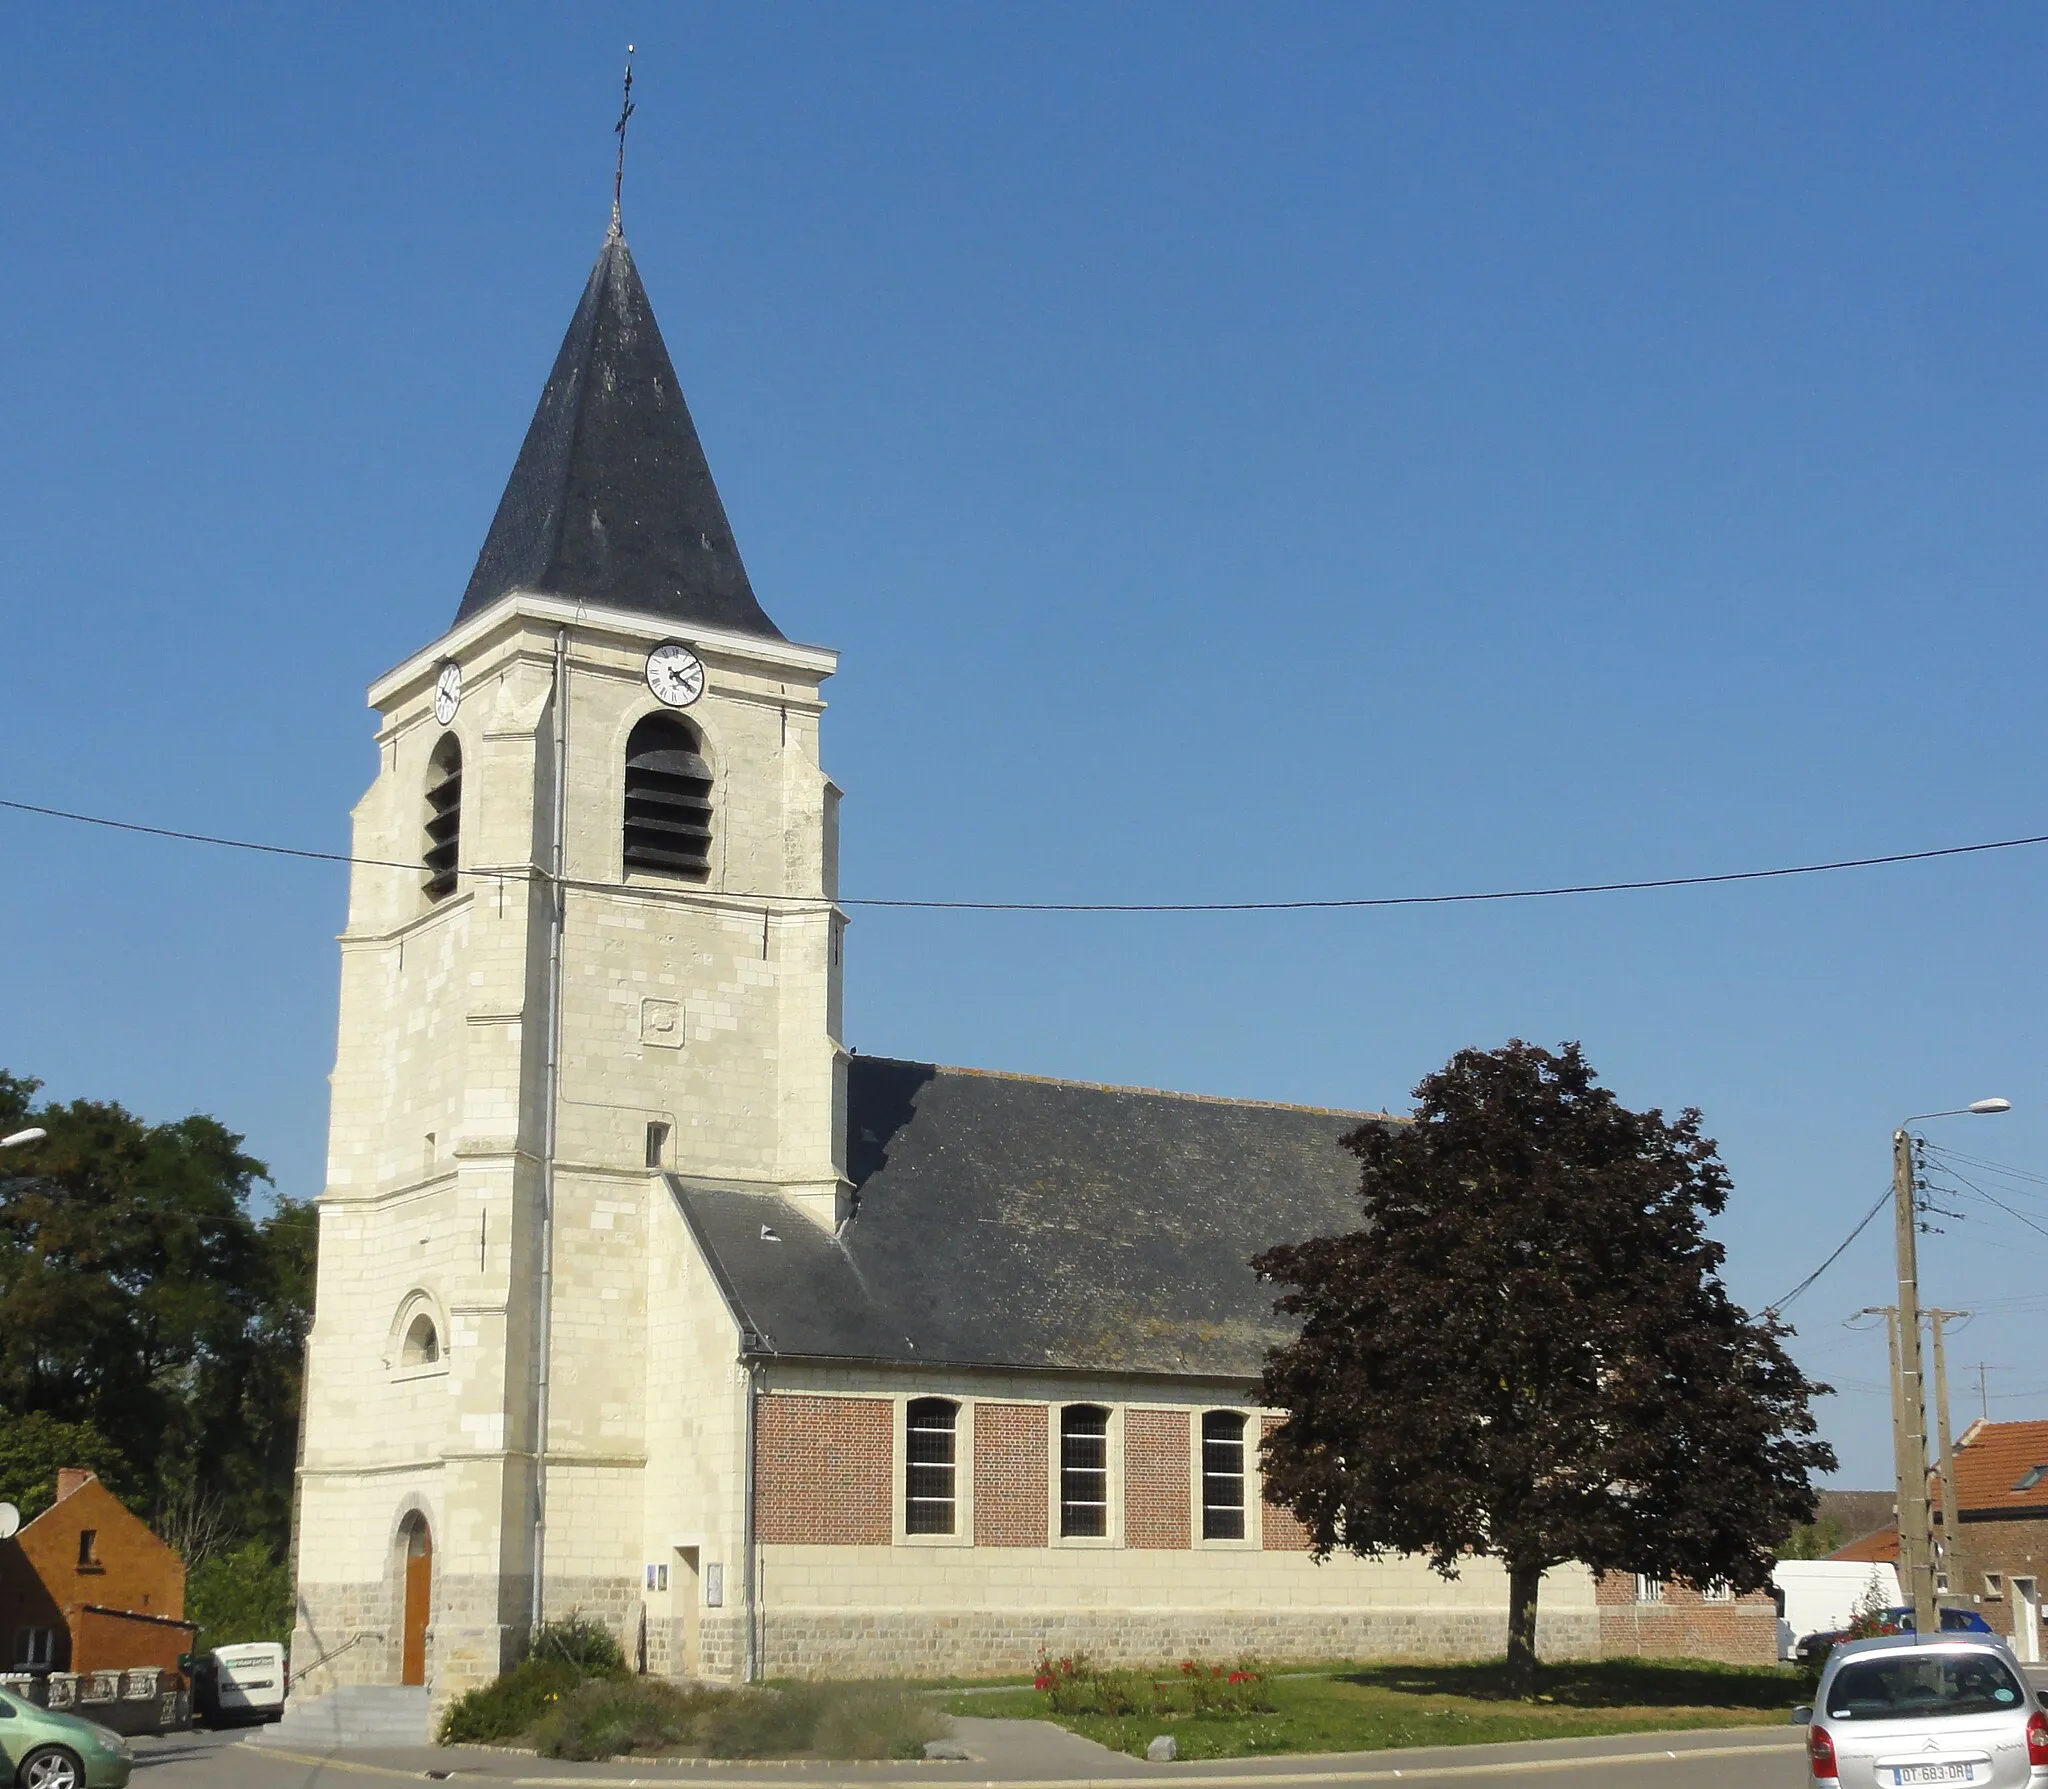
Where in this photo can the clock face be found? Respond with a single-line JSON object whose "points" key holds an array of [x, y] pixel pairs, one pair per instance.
{"points": [[447, 692], [675, 674]]}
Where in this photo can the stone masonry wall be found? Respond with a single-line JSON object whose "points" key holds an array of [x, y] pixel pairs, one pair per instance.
{"points": [[993, 1642], [1010, 1466], [1156, 1480]]}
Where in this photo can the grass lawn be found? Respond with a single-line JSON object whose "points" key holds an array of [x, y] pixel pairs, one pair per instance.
{"points": [[1363, 1708]]}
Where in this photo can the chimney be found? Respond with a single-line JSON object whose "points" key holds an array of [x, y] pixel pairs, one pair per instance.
{"points": [[72, 1478]]}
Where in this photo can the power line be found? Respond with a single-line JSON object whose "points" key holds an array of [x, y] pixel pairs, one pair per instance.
{"points": [[1993, 1199], [1862, 1224], [1341, 902]]}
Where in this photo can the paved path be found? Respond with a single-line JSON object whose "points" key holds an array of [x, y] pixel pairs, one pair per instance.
{"points": [[1012, 1755]]}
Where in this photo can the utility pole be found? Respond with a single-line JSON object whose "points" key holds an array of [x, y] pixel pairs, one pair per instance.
{"points": [[1916, 1541], [1951, 1529], [1890, 1314]]}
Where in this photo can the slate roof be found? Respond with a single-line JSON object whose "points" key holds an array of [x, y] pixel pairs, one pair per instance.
{"points": [[1005, 1220], [611, 500]]}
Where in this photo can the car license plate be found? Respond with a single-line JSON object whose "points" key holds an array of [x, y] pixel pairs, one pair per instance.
{"points": [[1931, 1773]]}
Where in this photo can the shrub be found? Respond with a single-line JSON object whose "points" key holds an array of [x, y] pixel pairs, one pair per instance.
{"points": [[505, 1709], [605, 1716], [876, 1721], [579, 1641], [838, 1721]]}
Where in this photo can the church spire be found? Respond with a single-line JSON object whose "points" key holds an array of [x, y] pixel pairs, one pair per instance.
{"points": [[611, 501]]}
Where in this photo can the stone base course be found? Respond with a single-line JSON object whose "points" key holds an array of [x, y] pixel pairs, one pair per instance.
{"points": [[991, 1643]]}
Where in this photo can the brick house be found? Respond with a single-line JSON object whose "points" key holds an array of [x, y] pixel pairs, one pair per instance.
{"points": [[1999, 1556], [641, 1295], [87, 1587], [1657, 1618]]}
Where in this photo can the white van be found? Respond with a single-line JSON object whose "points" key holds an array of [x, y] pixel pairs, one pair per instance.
{"points": [[1816, 1596], [240, 1683]]}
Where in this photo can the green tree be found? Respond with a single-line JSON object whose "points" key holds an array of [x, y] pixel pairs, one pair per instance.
{"points": [[1813, 1540], [1526, 1352], [141, 1297], [34, 1446], [240, 1595]]}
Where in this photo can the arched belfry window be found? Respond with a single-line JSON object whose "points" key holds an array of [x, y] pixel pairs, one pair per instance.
{"points": [[668, 799], [422, 1344], [444, 816]]}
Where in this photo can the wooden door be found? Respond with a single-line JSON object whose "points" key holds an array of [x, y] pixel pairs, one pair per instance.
{"points": [[419, 1604]]}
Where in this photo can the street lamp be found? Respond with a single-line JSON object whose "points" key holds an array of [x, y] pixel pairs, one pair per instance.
{"points": [[21, 1139], [1916, 1527]]}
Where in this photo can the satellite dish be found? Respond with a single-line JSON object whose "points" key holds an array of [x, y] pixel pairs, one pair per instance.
{"points": [[10, 1520]]}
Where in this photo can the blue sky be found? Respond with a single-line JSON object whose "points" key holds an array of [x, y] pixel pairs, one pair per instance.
{"points": [[1239, 452]]}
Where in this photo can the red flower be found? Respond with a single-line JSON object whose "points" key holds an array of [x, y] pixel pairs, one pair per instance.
{"points": [[1041, 1683]]}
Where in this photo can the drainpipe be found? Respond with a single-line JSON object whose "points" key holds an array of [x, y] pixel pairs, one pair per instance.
{"points": [[551, 1083], [751, 1671]]}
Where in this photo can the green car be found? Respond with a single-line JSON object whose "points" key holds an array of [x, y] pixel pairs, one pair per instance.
{"points": [[43, 1750]]}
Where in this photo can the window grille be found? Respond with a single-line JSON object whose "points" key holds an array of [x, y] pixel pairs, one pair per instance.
{"points": [[1084, 1470], [444, 816], [1648, 1589], [928, 1465], [1222, 1476], [668, 799]]}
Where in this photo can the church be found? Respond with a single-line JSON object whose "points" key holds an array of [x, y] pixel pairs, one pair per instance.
{"points": [[641, 1298]]}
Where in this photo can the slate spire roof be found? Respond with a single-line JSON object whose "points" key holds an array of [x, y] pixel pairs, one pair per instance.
{"points": [[611, 501]]}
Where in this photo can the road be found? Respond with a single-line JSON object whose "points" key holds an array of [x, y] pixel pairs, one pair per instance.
{"points": [[1752, 1758]]}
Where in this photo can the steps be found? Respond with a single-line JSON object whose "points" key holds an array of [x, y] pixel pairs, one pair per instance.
{"points": [[357, 1714]]}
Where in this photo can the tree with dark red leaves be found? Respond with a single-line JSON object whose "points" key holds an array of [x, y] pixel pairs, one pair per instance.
{"points": [[1526, 1353]]}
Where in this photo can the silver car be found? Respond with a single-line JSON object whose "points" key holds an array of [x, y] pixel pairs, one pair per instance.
{"points": [[1900, 1711]]}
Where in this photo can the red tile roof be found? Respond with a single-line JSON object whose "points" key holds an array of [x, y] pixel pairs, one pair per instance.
{"points": [[1991, 1460], [1880, 1548]]}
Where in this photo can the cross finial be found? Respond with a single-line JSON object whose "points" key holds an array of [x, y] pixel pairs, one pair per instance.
{"points": [[625, 112]]}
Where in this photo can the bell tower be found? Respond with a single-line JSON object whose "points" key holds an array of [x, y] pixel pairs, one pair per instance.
{"points": [[592, 938]]}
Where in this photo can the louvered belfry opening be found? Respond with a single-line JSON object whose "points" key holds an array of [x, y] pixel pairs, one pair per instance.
{"points": [[668, 800], [444, 817]]}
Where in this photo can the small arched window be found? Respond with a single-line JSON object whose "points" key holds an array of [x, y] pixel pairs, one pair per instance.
{"points": [[422, 1345], [929, 1426], [1222, 1475], [668, 799], [444, 816]]}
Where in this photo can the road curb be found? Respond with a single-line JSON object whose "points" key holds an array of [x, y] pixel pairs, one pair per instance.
{"points": [[1409, 1773]]}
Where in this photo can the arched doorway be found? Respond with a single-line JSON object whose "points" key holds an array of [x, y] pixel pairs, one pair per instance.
{"points": [[416, 1551]]}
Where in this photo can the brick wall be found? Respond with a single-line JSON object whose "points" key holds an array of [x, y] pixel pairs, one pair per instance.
{"points": [[1683, 1624], [823, 1471], [1156, 1487], [2010, 1549], [1282, 1532], [1010, 1468], [46, 1581]]}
